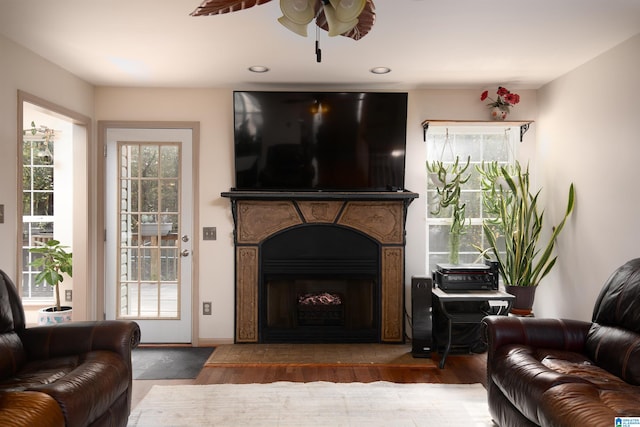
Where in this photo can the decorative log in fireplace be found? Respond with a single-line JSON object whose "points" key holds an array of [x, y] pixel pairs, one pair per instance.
{"points": [[349, 246]]}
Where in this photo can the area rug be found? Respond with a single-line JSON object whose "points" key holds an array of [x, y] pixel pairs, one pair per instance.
{"points": [[168, 363], [397, 355], [313, 404]]}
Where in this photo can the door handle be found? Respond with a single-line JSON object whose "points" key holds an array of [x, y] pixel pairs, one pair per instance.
{"points": [[185, 253]]}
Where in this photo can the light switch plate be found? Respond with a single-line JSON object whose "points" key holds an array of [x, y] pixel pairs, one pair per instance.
{"points": [[209, 233]]}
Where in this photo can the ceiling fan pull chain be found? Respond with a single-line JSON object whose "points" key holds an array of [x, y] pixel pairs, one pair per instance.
{"points": [[318, 50]]}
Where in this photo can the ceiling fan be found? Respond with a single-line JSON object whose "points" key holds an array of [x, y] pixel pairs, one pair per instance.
{"points": [[348, 18]]}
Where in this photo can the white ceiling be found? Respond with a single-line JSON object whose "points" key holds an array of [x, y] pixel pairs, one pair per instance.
{"points": [[427, 43]]}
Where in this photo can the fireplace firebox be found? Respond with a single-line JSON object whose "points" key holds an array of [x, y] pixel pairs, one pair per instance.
{"points": [[319, 283], [319, 266]]}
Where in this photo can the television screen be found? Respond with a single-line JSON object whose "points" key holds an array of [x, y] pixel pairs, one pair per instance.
{"points": [[330, 141]]}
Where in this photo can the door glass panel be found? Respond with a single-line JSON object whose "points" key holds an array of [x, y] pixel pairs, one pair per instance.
{"points": [[168, 167], [169, 301], [149, 227]]}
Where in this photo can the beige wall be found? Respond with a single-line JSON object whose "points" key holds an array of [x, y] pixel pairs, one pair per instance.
{"points": [[588, 134], [581, 122], [213, 108], [22, 70]]}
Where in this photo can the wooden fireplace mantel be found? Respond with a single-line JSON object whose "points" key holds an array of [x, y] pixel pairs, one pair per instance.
{"points": [[404, 195], [379, 215]]}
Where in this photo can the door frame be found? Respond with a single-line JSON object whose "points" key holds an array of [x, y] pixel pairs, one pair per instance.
{"points": [[103, 125]]}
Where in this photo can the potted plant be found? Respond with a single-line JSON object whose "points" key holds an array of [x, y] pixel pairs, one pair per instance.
{"points": [[500, 107], [53, 262], [448, 181], [514, 230]]}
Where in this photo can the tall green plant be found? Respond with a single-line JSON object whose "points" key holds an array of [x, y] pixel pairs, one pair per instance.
{"points": [[54, 262], [517, 222], [448, 181]]}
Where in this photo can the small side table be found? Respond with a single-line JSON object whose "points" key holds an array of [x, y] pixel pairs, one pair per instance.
{"points": [[442, 298]]}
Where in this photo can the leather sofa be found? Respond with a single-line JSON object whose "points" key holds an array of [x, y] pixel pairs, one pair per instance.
{"points": [[554, 372], [73, 374]]}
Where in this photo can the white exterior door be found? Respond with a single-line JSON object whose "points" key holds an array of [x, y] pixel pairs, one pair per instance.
{"points": [[149, 226]]}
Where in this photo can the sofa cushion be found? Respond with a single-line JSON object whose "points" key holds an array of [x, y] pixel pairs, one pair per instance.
{"points": [[28, 409], [578, 366], [524, 374], [576, 404], [85, 386], [550, 386], [615, 349]]}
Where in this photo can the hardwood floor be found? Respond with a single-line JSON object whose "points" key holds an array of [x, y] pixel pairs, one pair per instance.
{"points": [[459, 369]]}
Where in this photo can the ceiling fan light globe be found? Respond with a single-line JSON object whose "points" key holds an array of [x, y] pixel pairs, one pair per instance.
{"points": [[336, 26], [298, 11], [300, 29], [299, 5], [348, 10]]}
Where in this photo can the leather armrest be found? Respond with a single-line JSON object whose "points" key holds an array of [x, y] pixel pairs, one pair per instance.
{"points": [[66, 339], [557, 334]]}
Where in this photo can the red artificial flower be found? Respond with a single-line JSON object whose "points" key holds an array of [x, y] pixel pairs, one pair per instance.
{"points": [[512, 98], [484, 95], [502, 91]]}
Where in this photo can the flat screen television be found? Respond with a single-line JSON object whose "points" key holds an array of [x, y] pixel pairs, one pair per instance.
{"points": [[319, 141]]}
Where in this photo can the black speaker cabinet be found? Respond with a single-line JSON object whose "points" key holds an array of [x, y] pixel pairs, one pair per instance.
{"points": [[421, 316]]}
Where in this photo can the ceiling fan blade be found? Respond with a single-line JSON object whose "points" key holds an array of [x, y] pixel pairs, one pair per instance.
{"points": [[365, 22], [366, 19], [217, 7]]}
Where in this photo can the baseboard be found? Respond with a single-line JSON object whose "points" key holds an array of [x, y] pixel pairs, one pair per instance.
{"points": [[212, 342]]}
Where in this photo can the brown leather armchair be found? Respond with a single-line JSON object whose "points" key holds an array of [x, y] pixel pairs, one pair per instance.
{"points": [[73, 374], [554, 372]]}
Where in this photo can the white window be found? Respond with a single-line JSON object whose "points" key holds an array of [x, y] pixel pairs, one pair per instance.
{"points": [[480, 144], [37, 203], [47, 191]]}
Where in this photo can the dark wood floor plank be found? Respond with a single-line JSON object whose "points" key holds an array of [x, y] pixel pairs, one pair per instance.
{"points": [[459, 369]]}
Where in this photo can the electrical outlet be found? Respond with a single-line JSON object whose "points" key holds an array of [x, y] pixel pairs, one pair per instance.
{"points": [[206, 308], [208, 233], [68, 294]]}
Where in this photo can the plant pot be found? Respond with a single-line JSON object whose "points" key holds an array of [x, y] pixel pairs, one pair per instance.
{"points": [[523, 304], [47, 316], [498, 114]]}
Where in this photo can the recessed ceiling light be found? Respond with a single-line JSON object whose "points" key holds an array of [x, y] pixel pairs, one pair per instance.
{"points": [[380, 70], [258, 69]]}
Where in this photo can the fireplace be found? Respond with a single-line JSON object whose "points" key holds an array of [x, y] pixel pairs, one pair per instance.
{"points": [[319, 283], [319, 267]]}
